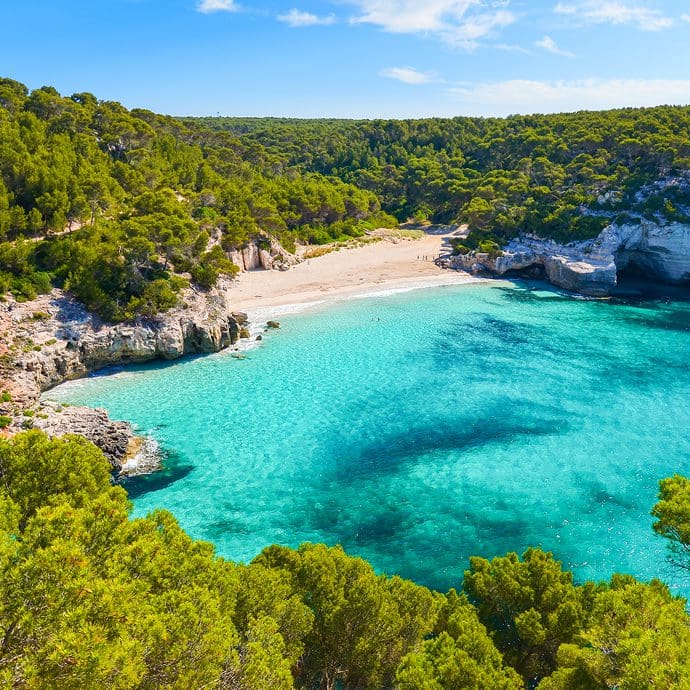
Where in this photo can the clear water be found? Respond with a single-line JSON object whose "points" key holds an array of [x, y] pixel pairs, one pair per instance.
{"points": [[419, 429]]}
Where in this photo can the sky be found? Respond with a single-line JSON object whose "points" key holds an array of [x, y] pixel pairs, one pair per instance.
{"points": [[353, 58]]}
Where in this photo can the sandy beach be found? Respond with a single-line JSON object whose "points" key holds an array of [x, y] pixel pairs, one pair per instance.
{"points": [[386, 266]]}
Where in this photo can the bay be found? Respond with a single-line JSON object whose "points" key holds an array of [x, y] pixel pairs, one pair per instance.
{"points": [[422, 428]]}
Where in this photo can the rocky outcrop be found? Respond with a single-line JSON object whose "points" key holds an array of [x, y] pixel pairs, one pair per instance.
{"points": [[115, 439], [591, 267], [264, 253], [54, 338], [660, 251]]}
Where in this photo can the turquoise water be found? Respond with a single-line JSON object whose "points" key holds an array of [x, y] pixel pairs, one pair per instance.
{"points": [[419, 429]]}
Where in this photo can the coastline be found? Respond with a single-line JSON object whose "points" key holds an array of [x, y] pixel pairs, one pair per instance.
{"points": [[389, 266], [273, 308], [53, 339]]}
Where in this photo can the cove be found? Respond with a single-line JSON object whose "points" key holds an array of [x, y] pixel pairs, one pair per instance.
{"points": [[422, 428]]}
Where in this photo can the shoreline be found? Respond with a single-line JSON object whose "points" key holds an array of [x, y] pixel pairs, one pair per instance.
{"points": [[301, 302], [54, 339], [390, 265]]}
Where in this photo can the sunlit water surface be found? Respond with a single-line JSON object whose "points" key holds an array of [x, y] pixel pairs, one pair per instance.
{"points": [[419, 429]]}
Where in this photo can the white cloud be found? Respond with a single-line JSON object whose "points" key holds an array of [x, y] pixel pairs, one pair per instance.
{"points": [[459, 22], [615, 12], [467, 33], [296, 18], [523, 96], [408, 75], [685, 17], [513, 48], [209, 6], [548, 44]]}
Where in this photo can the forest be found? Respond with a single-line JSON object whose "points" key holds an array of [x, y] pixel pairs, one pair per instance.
{"points": [[125, 208], [561, 176], [91, 598]]}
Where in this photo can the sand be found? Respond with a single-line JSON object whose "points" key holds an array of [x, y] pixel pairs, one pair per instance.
{"points": [[391, 265]]}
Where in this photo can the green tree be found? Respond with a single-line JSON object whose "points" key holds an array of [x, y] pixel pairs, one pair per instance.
{"points": [[637, 638], [530, 607], [77, 469], [462, 655], [673, 518], [363, 623]]}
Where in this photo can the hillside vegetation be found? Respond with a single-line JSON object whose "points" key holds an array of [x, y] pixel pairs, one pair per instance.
{"points": [[92, 599], [558, 176], [125, 208]]}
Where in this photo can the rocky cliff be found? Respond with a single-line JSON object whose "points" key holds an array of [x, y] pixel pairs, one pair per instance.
{"points": [[263, 254], [662, 252], [54, 338]]}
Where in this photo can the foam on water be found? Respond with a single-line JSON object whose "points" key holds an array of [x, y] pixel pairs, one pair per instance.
{"points": [[425, 427]]}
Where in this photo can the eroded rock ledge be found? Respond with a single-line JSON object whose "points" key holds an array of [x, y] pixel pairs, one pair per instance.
{"points": [[54, 338], [662, 252]]}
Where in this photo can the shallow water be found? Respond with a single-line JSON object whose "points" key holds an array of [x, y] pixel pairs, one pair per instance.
{"points": [[419, 429]]}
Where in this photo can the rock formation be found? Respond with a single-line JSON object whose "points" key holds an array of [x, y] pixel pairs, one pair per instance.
{"points": [[263, 254], [54, 338], [661, 252]]}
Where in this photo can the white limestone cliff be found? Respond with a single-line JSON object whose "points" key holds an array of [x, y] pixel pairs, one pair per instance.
{"points": [[591, 267]]}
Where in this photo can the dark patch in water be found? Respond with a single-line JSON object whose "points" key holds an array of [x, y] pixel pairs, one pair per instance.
{"points": [[482, 327], [379, 528], [395, 534], [600, 495], [524, 291], [479, 342], [226, 526], [368, 516], [662, 318], [173, 471], [393, 452]]}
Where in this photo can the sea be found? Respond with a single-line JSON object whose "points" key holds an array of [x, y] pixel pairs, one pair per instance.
{"points": [[423, 428]]}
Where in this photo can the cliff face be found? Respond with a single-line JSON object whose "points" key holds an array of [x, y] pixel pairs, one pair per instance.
{"points": [[661, 251], [266, 254], [54, 338]]}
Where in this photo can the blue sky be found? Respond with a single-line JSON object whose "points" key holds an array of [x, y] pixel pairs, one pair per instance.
{"points": [[353, 58]]}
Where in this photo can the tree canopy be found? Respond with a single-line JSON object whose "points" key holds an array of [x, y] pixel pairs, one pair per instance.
{"points": [[91, 598], [124, 208]]}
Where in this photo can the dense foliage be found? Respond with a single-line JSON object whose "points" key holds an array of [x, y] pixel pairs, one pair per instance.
{"points": [[124, 208], [562, 176], [90, 598]]}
